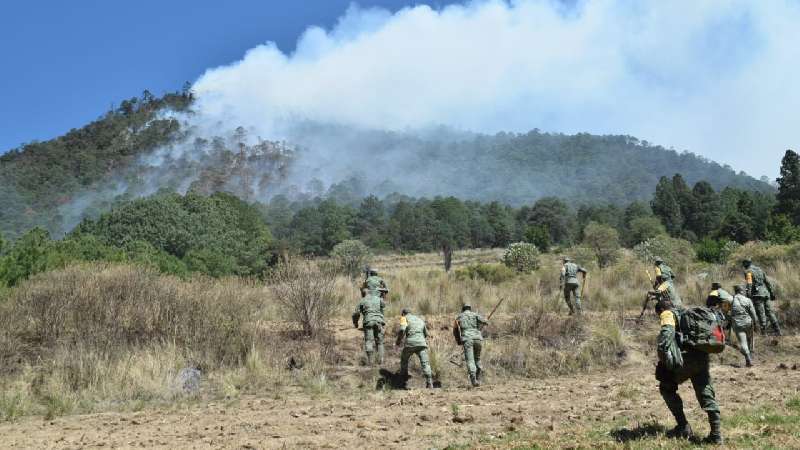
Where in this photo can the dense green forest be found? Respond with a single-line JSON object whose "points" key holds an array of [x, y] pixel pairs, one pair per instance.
{"points": [[148, 144], [220, 234]]}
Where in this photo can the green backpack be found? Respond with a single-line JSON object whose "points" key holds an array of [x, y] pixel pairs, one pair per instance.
{"points": [[701, 329]]}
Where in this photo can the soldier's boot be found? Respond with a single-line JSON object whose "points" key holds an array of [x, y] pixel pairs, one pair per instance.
{"points": [[715, 434], [479, 375], [748, 361], [681, 431], [429, 382], [777, 329]]}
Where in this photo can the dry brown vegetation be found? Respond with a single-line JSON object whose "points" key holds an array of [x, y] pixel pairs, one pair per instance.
{"points": [[114, 337]]}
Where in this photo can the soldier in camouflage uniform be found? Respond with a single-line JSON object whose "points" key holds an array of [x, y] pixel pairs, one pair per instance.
{"points": [[414, 333], [695, 367], [571, 285], [760, 291], [374, 285], [371, 309], [663, 271], [469, 325], [741, 317]]}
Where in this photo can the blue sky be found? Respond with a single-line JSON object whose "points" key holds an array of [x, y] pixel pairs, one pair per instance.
{"points": [[65, 62]]}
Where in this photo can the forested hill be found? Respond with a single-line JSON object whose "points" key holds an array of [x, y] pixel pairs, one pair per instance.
{"points": [[134, 151]]}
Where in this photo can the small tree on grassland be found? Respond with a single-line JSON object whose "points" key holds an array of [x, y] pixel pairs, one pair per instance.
{"points": [[305, 291], [604, 242], [350, 257]]}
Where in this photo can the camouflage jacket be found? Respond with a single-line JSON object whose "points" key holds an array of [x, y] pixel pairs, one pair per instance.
{"points": [[740, 312], [757, 282], [414, 330], [569, 273], [372, 284], [371, 308], [470, 324]]}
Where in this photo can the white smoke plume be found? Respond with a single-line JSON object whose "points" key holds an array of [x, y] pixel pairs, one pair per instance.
{"points": [[717, 78]]}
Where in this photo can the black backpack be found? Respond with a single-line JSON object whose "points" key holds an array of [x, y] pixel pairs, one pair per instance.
{"points": [[700, 329]]}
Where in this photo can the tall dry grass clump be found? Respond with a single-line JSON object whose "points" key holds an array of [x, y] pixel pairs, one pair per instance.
{"points": [[110, 308]]}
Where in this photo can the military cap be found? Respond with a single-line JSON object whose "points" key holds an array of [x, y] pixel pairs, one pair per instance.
{"points": [[658, 260], [466, 306], [405, 311]]}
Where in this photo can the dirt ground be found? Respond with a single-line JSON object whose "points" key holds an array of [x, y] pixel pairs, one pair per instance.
{"points": [[566, 412]]}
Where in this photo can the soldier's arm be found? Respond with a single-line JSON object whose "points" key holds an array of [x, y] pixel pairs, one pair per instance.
{"points": [[401, 333], [751, 311], [562, 275], [667, 333], [481, 320], [582, 270]]}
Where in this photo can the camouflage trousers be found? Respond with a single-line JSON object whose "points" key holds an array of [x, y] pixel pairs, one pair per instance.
{"points": [[472, 356], [744, 336], [765, 313], [695, 368], [573, 290], [424, 362], [373, 340]]}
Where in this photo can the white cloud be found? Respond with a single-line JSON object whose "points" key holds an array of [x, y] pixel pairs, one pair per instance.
{"points": [[714, 77]]}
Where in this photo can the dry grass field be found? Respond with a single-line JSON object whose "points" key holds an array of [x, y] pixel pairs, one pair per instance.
{"points": [[91, 358]]}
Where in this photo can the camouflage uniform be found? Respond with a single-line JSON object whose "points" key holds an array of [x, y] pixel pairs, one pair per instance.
{"points": [[741, 316], [371, 308], [663, 272], [759, 290], [572, 287], [373, 285], [667, 290], [695, 368], [469, 324], [414, 331]]}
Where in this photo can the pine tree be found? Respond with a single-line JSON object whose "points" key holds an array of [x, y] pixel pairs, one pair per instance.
{"points": [[789, 187], [665, 205]]}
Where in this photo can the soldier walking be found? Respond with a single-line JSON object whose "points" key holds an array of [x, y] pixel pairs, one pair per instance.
{"points": [[413, 333], [371, 309], [675, 366], [468, 325], [571, 285], [741, 316], [759, 289]]}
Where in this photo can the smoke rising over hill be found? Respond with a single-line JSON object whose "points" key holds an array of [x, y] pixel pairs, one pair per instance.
{"points": [[714, 78]]}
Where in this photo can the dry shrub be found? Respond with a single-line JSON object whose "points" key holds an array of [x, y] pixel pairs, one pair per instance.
{"points": [[540, 344], [307, 294], [107, 309]]}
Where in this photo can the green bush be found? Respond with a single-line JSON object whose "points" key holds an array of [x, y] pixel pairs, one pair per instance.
{"points": [[490, 273], [604, 242], [522, 257], [715, 251], [350, 257]]}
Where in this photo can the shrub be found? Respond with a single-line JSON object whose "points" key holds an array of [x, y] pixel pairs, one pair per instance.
{"points": [[490, 273], [350, 257], [306, 293], [522, 257]]}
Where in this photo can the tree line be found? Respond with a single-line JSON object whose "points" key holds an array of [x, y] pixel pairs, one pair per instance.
{"points": [[221, 235]]}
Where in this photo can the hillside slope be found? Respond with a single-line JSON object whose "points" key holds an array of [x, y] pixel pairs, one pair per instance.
{"points": [[150, 144]]}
